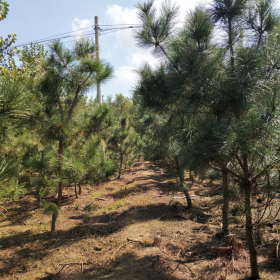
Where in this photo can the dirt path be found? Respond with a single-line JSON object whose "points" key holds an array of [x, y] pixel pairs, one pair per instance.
{"points": [[124, 229]]}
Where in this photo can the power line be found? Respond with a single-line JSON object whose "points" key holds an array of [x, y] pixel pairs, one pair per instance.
{"points": [[119, 24], [54, 36], [102, 32], [107, 32]]}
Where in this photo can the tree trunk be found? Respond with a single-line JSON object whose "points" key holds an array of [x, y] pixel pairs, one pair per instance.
{"points": [[182, 182], [226, 204], [54, 217], [254, 188], [39, 199], [80, 189], [186, 192], [120, 169], [60, 171], [249, 232], [230, 41], [76, 190], [60, 185], [191, 176], [41, 173]]}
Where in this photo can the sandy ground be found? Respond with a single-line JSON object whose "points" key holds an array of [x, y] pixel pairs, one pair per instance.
{"points": [[137, 230]]}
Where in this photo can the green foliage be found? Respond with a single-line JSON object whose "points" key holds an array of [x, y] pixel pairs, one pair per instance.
{"points": [[50, 208], [42, 184], [215, 175], [215, 102], [261, 18], [125, 142], [3, 9], [14, 101], [51, 136], [9, 187], [199, 27], [89, 208], [6, 53], [156, 28]]}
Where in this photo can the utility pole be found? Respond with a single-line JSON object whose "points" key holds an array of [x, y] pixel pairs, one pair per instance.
{"points": [[99, 95]]}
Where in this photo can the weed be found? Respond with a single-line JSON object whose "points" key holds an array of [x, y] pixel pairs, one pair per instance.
{"points": [[77, 207], [121, 203], [3, 210], [132, 184], [43, 227], [140, 201], [114, 206], [103, 210], [96, 194], [196, 218], [90, 207], [147, 243]]}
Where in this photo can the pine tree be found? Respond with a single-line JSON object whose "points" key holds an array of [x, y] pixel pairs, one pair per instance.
{"points": [[6, 52], [231, 89], [125, 142], [69, 74]]}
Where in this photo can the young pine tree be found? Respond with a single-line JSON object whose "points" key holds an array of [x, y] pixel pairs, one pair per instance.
{"points": [[69, 74]]}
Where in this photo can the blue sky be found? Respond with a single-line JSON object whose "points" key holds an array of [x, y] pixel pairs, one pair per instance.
{"points": [[36, 19]]}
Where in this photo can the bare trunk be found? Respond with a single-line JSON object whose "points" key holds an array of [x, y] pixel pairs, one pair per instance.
{"points": [[54, 217], [182, 182], [60, 185], [226, 204], [80, 189], [186, 192], [249, 232], [76, 194], [60, 171], [254, 188], [39, 195], [39, 199], [120, 169]]}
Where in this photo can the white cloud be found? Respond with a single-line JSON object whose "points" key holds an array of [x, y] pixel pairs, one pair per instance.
{"points": [[185, 7], [78, 24], [124, 81], [125, 75], [119, 15], [124, 39], [124, 46]]}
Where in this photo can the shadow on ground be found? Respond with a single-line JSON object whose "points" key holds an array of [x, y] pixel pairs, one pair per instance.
{"points": [[28, 246], [126, 267]]}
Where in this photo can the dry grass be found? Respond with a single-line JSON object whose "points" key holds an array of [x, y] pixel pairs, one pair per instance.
{"points": [[114, 238]]}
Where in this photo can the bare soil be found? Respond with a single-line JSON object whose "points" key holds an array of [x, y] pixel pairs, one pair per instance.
{"points": [[138, 232]]}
